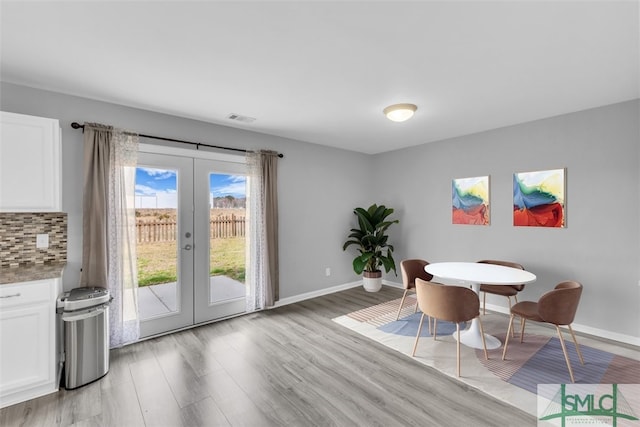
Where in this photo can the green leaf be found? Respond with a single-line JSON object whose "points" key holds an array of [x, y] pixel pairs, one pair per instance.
{"points": [[349, 243], [359, 263], [378, 214], [356, 234], [364, 219]]}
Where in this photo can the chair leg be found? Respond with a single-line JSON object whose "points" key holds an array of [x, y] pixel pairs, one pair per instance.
{"points": [[415, 345], [458, 347], [429, 320], [575, 341], [484, 344], [402, 303], [566, 356], [484, 303], [506, 339], [435, 328], [515, 297], [513, 334], [522, 323], [428, 317]]}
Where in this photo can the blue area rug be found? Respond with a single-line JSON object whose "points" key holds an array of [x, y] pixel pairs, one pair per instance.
{"points": [[408, 327], [547, 366]]}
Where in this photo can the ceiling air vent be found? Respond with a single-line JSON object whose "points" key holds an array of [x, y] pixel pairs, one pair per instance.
{"points": [[239, 118]]}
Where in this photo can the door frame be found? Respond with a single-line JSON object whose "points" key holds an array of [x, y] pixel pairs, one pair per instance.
{"points": [[197, 312]]}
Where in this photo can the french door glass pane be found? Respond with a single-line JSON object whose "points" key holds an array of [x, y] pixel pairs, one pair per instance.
{"points": [[156, 223], [227, 250]]}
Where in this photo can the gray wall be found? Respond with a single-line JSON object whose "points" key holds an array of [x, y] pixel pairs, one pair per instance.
{"points": [[600, 246], [318, 186]]}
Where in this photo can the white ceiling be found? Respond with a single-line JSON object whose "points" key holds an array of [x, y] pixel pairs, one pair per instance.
{"points": [[323, 71]]}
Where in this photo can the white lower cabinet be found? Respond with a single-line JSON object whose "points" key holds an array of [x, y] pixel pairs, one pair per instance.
{"points": [[28, 354]]}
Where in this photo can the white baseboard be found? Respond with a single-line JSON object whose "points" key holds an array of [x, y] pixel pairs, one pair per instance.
{"points": [[614, 336], [392, 284], [314, 294], [596, 332], [331, 290], [496, 308]]}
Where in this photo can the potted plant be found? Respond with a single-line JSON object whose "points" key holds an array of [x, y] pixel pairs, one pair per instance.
{"points": [[373, 247]]}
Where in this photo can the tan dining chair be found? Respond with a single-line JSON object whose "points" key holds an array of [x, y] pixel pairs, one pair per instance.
{"points": [[557, 307], [451, 303], [412, 269], [504, 290]]}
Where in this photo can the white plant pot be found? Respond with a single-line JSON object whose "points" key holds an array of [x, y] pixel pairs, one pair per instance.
{"points": [[372, 281]]}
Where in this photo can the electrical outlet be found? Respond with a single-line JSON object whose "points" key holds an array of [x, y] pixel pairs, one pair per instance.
{"points": [[42, 241], [327, 271]]}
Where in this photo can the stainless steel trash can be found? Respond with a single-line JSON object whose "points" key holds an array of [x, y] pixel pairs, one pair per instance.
{"points": [[85, 323]]}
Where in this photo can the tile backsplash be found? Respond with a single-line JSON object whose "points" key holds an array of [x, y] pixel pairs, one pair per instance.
{"points": [[18, 233]]}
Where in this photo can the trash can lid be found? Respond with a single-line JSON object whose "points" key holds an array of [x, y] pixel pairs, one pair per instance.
{"points": [[80, 298]]}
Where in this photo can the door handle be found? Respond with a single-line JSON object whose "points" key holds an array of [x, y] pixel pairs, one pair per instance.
{"points": [[187, 247]]}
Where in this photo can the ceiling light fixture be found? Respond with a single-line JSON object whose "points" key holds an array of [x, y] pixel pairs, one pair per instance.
{"points": [[240, 118], [400, 112]]}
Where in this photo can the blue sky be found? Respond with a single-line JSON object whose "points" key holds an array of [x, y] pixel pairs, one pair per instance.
{"points": [[157, 187]]}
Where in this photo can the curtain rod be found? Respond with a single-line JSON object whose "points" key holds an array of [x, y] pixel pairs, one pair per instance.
{"points": [[77, 125]]}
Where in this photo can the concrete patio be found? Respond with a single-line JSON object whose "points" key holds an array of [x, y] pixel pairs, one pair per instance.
{"points": [[156, 300]]}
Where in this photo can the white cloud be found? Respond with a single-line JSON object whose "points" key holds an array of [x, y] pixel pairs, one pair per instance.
{"points": [[168, 200], [159, 173], [145, 190], [151, 198], [235, 189]]}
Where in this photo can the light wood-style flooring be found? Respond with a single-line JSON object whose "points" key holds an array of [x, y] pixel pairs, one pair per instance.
{"points": [[290, 366]]}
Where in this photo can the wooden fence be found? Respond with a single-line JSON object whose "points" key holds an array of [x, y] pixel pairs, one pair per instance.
{"points": [[165, 231]]}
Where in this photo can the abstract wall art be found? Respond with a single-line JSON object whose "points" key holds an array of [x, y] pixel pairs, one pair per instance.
{"points": [[470, 198], [539, 198]]}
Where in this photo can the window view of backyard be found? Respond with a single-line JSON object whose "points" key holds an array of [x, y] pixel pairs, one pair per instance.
{"points": [[157, 248]]}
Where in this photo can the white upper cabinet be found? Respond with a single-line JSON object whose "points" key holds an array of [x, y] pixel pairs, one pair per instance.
{"points": [[30, 164]]}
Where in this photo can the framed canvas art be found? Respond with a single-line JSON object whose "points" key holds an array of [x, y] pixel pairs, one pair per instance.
{"points": [[470, 197], [539, 198]]}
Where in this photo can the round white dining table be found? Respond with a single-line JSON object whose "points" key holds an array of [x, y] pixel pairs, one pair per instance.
{"points": [[473, 274]]}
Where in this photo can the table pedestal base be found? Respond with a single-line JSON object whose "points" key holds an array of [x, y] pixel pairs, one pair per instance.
{"points": [[471, 337]]}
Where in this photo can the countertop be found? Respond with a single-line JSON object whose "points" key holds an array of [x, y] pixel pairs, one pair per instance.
{"points": [[30, 272]]}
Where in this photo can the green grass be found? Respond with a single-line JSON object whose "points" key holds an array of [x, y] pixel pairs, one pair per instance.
{"points": [[157, 261], [155, 278], [228, 258]]}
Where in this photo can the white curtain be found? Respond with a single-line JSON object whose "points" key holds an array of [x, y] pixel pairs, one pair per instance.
{"points": [[109, 234], [262, 255], [123, 274]]}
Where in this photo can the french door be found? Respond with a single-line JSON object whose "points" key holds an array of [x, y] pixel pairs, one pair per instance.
{"points": [[190, 215]]}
